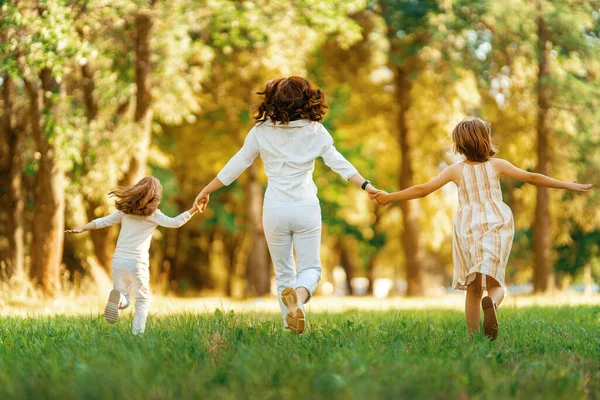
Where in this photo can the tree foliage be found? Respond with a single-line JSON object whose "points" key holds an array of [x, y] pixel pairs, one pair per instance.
{"points": [[398, 75]]}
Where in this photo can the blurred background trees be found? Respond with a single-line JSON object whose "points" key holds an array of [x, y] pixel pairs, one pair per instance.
{"points": [[97, 93]]}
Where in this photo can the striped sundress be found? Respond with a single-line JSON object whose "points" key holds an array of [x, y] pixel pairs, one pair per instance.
{"points": [[483, 227]]}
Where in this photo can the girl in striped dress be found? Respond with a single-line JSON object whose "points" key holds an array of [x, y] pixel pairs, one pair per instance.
{"points": [[483, 226]]}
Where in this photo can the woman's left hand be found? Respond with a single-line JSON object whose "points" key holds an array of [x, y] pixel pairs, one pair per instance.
{"points": [[373, 192], [202, 201], [381, 197]]}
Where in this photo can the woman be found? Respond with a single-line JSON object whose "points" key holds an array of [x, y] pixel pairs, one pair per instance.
{"points": [[289, 137]]}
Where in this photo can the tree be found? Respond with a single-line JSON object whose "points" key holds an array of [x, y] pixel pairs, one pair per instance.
{"points": [[143, 98], [33, 31], [246, 36], [16, 229], [422, 37], [510, 79]]}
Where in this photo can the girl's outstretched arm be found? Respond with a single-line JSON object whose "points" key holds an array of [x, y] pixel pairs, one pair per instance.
{"points": [[422, 190], [90, 226], [176, 222], [506, 168], [99, 223]]}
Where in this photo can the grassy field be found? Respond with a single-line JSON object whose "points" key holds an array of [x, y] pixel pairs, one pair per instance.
{"points": [[424, 354]]}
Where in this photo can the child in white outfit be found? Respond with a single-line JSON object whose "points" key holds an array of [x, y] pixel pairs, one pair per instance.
{"points": [[139, 216]]}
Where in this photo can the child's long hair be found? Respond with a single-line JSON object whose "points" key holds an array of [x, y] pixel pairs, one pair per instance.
{"points": [[290, 99], [472, 138], [140, 199]]}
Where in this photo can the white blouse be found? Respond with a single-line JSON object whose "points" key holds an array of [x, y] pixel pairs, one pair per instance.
{"points": [[288, 153], [136, 232]]}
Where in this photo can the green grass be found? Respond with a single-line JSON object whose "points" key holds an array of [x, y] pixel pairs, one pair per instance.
{"points": [[541, 353]]}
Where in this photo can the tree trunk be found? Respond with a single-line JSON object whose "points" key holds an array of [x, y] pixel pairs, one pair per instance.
{"points": [[543, 274], [173, 253], [232, 248], [371, 263], [15, 191], [410, 234], [259, 264], [48, 218], [89, 98], [102, 239], [143, 105], [347, 262]]}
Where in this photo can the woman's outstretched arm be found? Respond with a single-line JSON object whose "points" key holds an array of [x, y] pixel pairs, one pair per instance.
{"points": [[204, 196], [231, 171], [240, 161], [506, 168], [338, 163], [357, 180]]}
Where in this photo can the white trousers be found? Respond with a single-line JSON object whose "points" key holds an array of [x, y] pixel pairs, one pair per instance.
{"points": [[133, 276], [293, 226]]}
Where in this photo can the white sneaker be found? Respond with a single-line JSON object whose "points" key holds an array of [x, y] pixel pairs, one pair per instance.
{"points": [[111, 311], [295, 317]]}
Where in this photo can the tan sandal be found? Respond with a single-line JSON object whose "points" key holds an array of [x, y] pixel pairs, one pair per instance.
{"points": [[295, 317], [111, 312], [490, 318]]}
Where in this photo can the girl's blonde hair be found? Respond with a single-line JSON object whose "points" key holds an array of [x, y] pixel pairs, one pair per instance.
{"points": [[472, 138], [140, 199]]}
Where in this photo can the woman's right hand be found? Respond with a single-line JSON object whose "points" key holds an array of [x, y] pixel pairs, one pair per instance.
{"points": [[202, 201]]}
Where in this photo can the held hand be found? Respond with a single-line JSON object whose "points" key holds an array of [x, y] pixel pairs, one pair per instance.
{"points": [[202, 201], [371, 189], [194, 209], [580, 187], [381, 197], [76, 230], [375, 200], [375, 196], [201, 205]]}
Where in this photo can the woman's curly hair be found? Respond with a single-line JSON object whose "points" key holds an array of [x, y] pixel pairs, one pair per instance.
{"points": [[140, 199], [290, 99]]}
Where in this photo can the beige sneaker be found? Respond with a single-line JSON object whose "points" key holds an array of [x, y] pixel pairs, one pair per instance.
{"points": [[295, 317], [490, 318], [111, 312]]}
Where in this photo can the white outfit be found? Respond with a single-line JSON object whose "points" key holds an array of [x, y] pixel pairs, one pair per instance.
{"points": [[131, 258], [289, 153], [132, 275], [291, 212]]}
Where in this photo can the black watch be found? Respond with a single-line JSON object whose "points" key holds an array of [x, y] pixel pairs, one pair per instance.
{"points": [[364, 185]]}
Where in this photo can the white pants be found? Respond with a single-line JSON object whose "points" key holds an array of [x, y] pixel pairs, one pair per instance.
{"points": [[131, 275], [293, 226]]}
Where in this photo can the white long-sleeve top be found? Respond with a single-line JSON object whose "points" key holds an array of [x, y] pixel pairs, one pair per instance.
{"points": [[136, 232], [288, 153]]}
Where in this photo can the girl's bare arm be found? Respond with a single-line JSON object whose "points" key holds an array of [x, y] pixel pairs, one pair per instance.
{"points": [[422, 190], [504, 167]]}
